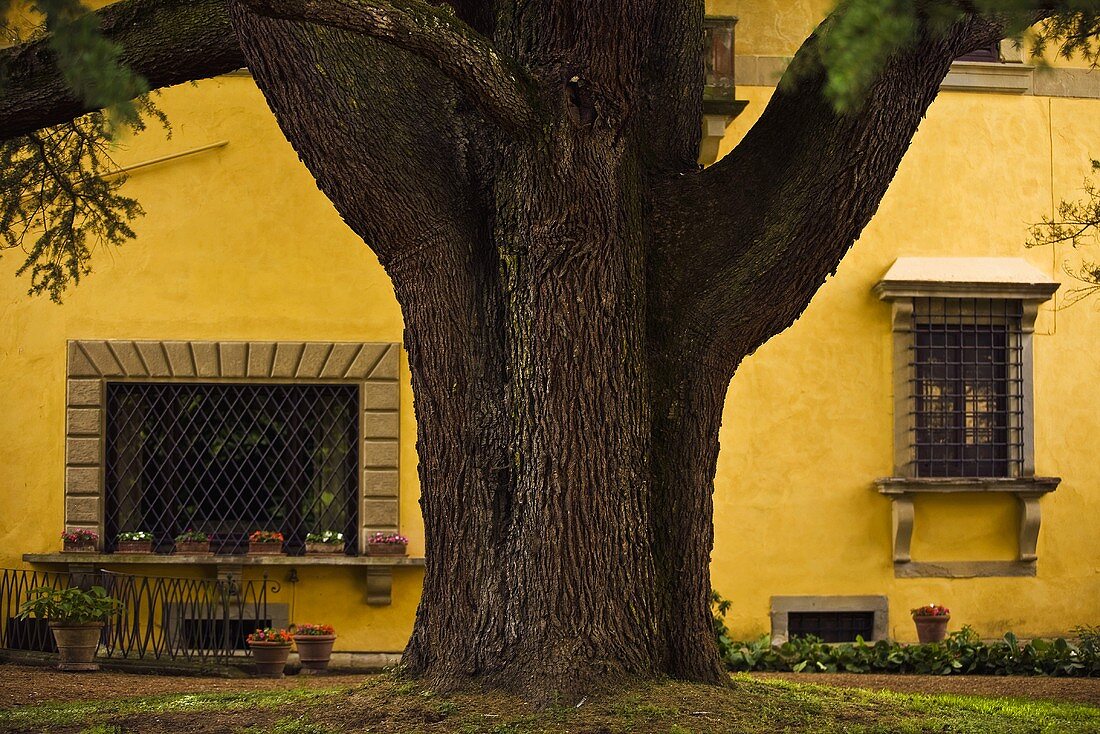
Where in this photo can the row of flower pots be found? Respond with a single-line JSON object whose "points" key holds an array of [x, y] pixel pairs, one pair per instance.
{"points": [[261, 542], [271, 648]]}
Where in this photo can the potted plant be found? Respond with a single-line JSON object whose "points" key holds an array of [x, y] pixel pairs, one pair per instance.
{"points": [[137, 542], [79, 541], [931, 621], [387, 544], [328, 543], [270, 649], [314, 643], [76, 619], [193, 542], [265, 543]]}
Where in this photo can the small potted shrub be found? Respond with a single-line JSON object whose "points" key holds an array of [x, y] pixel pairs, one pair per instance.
{"points": [[270, 649], [79, 541], [138, 542], [265, 543], [314, 643], [193, 542], [387, 544], [931, 621], [76, 618], [328, 543]]}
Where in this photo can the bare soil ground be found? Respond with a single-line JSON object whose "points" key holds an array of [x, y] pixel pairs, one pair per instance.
{"points": [[1074, 690], [22, 685], [25, 685]]}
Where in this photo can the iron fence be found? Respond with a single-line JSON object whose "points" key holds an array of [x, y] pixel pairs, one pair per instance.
{"points": [[162, 619]]}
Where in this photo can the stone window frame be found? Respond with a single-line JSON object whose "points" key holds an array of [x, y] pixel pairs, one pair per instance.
{"points": [[782, 606], [961, 279], [372, 366]]}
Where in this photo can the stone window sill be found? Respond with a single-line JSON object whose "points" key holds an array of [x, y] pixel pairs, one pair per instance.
{"points": [[1028, 490], [379, 569], [989, 76]]}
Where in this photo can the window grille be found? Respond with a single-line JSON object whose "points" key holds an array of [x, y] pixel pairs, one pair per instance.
{"points": [[967, 387], [228, 459], [831, 626]]}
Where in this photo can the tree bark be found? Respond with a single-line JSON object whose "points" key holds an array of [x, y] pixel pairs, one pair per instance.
{"points": [[576, 294]]}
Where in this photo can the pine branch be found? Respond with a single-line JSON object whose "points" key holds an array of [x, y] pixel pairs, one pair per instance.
{"points": [[164, 42]]}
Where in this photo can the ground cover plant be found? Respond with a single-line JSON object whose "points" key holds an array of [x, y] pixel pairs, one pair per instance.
{"points": [[389, 704], [963, 652]]}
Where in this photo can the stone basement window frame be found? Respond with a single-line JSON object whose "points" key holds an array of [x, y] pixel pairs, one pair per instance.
{"points": [[1009, 279], [782, 606]]}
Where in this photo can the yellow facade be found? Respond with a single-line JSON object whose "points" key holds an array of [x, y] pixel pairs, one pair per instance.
{"points": [[238, 244]]}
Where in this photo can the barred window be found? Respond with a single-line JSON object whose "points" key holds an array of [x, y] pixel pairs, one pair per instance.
{"points": [[967, 387], [229, 459]]}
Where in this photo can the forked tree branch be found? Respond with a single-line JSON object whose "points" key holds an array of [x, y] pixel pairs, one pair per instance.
{"points": [[164, 41], [742, 247], [494, 83]]}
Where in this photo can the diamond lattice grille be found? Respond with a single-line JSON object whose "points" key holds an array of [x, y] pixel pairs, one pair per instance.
{"points": [[228, 459]]}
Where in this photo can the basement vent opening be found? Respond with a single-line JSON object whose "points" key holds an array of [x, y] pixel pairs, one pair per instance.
{"points": [[831, 626]]}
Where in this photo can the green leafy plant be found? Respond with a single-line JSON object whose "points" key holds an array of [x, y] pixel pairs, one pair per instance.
{"points": [[192, 536], [329, 537], [718, 608], [963, 652], [271, 634], [389, 538], [69, 606], [265, 536], [313, 629], [138, 537], [80, 537]]}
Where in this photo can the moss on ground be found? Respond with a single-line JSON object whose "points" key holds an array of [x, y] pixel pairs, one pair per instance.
{"points": [[388, 705]]}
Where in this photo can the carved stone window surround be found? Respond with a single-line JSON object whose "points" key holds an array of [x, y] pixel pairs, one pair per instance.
{"points": [[965, 278], [372, 366]]}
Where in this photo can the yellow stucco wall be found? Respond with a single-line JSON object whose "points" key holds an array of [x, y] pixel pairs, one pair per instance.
{"points": [[809, 418], [237, 243]]}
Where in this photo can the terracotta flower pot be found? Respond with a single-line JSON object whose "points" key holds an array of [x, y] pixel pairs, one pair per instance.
{"points": [[134, 546], [931, 629], [193, 547], [314, 651], [77, 644], [270, 658], [265, 549], [386, 549], [324, 549], [79, 547]]}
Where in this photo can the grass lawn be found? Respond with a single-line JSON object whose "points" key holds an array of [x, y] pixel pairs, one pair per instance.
{"points": [[383, 704]]}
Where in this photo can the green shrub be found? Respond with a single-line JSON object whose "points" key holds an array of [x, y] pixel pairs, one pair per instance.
{"points": [[961, 652]]}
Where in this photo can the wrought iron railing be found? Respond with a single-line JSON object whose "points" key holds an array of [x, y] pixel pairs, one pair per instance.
{"points": [[162, 619]]}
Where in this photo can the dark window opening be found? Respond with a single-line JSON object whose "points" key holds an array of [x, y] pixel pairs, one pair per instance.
{"points": [[831, 626], [991, 53], [228, 459], [967, 388], [32, 635], [220, 634]]}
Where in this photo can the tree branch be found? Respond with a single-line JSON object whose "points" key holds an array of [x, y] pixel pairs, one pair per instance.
{"points": [[164, 41], [497, 85], [744, 245]]}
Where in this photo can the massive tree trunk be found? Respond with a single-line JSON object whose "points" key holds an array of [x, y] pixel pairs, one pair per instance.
{"points": [[576, 294]]}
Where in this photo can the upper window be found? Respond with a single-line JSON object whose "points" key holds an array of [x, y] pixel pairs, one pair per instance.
{"points": [[967, 388], [991, 53], [963, 342], [229, 459]]}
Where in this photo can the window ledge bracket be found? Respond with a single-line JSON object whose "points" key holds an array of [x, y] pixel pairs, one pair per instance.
{"points": [[1028, 490]]}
